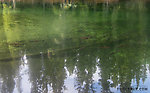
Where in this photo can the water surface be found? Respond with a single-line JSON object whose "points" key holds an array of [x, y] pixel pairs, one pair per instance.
{"points": [[81, 50]]}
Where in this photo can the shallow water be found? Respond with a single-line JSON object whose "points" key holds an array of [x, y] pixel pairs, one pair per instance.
{"points": [[75, 50]]}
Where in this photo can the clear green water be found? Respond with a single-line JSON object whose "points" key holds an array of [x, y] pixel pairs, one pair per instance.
{"points": [[75, 51]]}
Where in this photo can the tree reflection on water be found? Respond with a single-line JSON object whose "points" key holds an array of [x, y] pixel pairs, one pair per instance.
{"points": [[84, 70], [81, 51]]}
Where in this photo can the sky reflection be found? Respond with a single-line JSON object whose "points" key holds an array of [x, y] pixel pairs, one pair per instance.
{"points": [[69, 77], [89, 51], [23, 85]]}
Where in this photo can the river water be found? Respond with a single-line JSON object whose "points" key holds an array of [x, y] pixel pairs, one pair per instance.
{"points": [[99, 49]]}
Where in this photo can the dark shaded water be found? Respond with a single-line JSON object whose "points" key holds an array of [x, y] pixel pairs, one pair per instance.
{"points": [[79, 50]]}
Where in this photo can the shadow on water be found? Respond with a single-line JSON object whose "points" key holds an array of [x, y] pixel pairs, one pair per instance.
{"points": [[77, 50]]}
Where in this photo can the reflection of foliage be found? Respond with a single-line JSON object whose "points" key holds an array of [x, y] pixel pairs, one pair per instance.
{"points": [[122, 67], [56, 74], [119, 45], [47, 72], [7, 75], [86, 67]]}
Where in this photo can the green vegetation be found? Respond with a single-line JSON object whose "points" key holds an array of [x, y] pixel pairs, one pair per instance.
{"points": [[49, 44]]}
